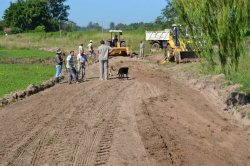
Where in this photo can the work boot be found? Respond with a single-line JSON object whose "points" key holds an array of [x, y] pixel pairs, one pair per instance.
{"points": [[56, 80]]}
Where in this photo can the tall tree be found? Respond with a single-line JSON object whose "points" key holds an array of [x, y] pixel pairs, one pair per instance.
{"points": [[223, 23], [58, 10], [28, 14], [168, 15]]}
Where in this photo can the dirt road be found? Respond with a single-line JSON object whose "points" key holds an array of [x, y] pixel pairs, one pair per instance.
{"points": [[149, 119]]}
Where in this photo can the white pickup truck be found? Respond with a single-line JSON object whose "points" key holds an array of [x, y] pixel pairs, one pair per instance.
{"points": [[158, 39]]}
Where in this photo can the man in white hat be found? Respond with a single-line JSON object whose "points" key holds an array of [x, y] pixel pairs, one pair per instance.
{"points": [[82, 59], [91, 49], [81, 48], [59, 62]]}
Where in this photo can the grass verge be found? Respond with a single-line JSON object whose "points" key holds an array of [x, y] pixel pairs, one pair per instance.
{"points": [[18, 76]]}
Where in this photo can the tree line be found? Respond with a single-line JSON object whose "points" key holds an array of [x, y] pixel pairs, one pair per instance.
{"points": [[26, 15], [52, 15]]}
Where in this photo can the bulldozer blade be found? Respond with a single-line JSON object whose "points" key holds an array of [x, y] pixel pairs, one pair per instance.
{"points": [[188, 55], [163, 62]]}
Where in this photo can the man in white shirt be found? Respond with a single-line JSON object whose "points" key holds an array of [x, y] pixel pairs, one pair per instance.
{"points": [[91, 50], [71, 67], [82, 59], [81, 48]]}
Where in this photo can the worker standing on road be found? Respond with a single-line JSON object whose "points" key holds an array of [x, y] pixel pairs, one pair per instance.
{"points": [[103, 52], [81, 59], [91, 50], [142, 46], [71, 67], [81, 48], [59, 62]]}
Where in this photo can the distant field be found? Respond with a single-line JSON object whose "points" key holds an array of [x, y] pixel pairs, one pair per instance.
{"points": [[69, 41], [19, 76], [24, 53]]}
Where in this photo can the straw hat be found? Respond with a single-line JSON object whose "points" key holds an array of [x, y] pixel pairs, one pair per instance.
{"points": [[59, 51]]}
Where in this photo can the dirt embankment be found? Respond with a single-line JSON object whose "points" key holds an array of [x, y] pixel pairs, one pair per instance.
{"points": [[149, 119]]}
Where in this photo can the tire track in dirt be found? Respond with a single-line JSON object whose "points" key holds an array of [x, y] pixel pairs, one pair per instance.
{"points": [[37, 150], [175, 159], [90, 105], [101, 134], [154, 141], [65, 124], [161, 149], [106, 141], [97, 110], [36, 137]]}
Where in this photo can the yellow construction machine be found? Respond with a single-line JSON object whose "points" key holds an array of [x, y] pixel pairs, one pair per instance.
{"points": [[182, 50], [118, 46]]}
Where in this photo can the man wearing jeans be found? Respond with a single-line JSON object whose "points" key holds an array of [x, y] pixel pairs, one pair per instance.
{"points": [[81, 58], [71, 68], [103, 52], [59, 62]]}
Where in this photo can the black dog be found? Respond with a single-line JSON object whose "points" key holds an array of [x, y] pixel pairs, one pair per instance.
{"points": [[122, 71]]}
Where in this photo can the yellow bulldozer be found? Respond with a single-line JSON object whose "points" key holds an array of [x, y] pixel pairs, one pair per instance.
{"points": [[119, 47], [182, 50]]}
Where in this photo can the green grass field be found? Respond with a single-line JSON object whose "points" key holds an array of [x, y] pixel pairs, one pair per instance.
{"points": [[19, 76], [24, 53]]}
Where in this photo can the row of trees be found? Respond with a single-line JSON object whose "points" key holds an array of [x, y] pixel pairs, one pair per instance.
{"points": [[26, 15]]}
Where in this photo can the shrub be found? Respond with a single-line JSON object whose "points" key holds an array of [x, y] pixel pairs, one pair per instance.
{"points": [[40, 28]]}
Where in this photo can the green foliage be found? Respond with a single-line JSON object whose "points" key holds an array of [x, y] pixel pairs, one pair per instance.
{"points": [[168, 15], [223, 23], [40, 28], [138, 26], [57, 10], [18, 77], [1, 25], [28, 14], [24, 53], [15, 30], [242, 75]]}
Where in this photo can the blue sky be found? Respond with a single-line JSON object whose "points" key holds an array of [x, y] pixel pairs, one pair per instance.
{"points": [[106, 11]]}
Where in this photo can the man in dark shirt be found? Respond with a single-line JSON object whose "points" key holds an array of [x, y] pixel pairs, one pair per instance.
{"points": [[59, 62]]}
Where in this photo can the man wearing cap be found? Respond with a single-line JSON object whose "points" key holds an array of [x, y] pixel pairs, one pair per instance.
{"points": [[91, 49], [59, 62], [103, 52], [81, 48]]}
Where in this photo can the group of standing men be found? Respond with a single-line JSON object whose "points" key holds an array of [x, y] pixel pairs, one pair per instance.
{"points": [[103, 52]]}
